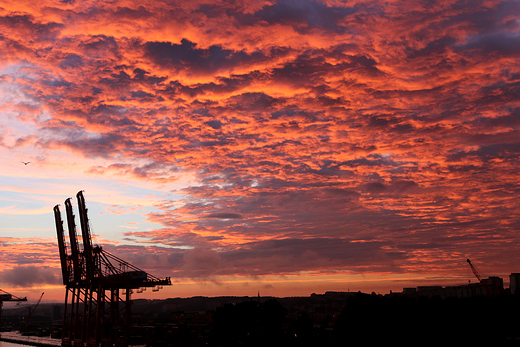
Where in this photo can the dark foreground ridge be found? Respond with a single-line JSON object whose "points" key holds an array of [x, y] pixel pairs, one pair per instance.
{"points": [[330, 319]]}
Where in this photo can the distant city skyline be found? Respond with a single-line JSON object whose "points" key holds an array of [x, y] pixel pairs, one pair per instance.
{"points": [[287, 147]]}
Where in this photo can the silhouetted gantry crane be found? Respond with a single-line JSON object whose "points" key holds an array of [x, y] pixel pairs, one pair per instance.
{"points": [[94, 311], [5, 296]]}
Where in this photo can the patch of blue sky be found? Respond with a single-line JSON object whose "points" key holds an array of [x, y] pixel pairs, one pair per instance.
{"points": [[18, 70], [114, 208], [12, 96]]}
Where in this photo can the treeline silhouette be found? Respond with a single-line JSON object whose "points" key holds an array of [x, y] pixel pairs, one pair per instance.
{"points": [[370, 320]]}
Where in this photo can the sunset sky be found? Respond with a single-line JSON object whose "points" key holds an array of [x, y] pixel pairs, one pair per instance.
{"points": [[282, 147]]}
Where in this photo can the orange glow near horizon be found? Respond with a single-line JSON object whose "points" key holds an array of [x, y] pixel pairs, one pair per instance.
{"points": [[274, 286]]}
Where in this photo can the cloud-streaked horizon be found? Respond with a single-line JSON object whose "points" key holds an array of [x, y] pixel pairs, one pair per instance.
{"points": [[288, 137]]}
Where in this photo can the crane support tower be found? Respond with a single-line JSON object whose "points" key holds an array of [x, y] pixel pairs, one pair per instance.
{"points": [[98, 285]]}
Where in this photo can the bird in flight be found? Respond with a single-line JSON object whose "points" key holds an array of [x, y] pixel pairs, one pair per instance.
{"points": [[26, 162]]}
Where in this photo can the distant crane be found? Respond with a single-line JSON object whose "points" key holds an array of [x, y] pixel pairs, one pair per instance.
{"points": [[480, 279], [5, 296], [32, 311]]}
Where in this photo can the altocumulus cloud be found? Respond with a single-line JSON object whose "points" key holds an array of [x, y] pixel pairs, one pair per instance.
{"points": [[306, 128]]}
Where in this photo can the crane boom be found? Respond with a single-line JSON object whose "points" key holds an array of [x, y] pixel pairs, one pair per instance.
{"points": [[87, 238], [475, 271], [33, 309], [65, 269], [74, 249], [5, 296]]}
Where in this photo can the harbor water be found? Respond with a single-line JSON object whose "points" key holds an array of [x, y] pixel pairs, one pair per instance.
{"points": [[9, 344], [15, 339]]}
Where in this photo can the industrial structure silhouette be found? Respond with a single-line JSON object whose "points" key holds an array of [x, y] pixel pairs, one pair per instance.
{"points": [[98, 285]]}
